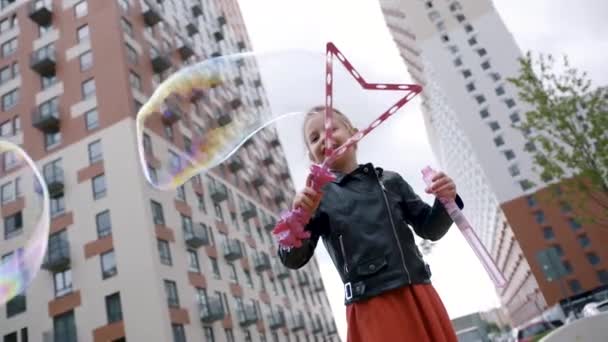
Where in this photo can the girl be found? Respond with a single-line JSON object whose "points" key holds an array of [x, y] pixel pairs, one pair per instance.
{"points": [[363, 217]]}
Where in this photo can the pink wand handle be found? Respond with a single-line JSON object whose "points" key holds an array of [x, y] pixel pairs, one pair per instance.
{"points": [[469, 234]]}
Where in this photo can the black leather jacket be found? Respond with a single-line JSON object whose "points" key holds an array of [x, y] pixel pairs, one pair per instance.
{"points": [[363, 219]]}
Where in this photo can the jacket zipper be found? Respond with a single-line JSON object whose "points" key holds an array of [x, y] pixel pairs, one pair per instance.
{"points": [[343, 254], [390, 216]]}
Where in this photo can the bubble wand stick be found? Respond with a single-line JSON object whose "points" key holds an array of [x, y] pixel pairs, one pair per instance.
{"points": [[289, 231]]}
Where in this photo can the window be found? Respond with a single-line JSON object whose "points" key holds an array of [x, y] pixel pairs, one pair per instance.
{"points": [[584, 241], [460, 17], [13, 225], [468, 28], [472, 41], [539, 216], [157, 212], [9, 47], [233, 275], [12, 337], [91, 119], [48, 81], [548, 233], [9, 160], [470, 86], [193, 264], [494, 126], [510, 103], [88, 89], [164, 251], [529, 146], [509, 154], [86, 61], [229, 335], [485, 65], [215, 268], [500, 90], [99, 186], [531, 201], [567, 267], [113, 308], [63, 283], [248, 279], [16, 306], [481, 52], [168, 132], [526, 184], [201, 203], [57, 206], [124, 4], [514, 117], [480, 99], [593, 258], [108, 264], [466, 73], [10, 100], [558, 250], [81, 9], [209, 335], [134, 80], [181, 193], [565, 207], [95, 153], [83, 33], [499, 141], [171, 292], [458, 62], [52, 140], [103, 223], [574, 224], [187, 144], [131, 54], [7, 192], [127, 27], [178, 333], [445, 38], [147, 144], [64, 327], [575, 286], [484, 113], [219, 214]]}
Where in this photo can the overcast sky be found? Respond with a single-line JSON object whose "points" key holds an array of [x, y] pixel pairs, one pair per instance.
{"points": [[578, 29]]}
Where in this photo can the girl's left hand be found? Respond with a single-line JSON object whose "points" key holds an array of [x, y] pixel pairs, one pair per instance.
{"points": [[442, 186]]}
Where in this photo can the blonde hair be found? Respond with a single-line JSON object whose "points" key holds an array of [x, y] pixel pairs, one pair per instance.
{"points": [[321, 110]]}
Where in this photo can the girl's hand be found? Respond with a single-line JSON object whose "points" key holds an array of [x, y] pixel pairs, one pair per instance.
{"points": [[308, 199], [442, 186]]}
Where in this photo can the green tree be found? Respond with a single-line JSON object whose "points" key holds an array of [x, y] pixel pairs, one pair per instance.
{"points": [[567, 130]]}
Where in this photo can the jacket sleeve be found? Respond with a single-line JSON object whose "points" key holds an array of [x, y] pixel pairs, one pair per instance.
{"points": [[429, 222], [298, 257]]}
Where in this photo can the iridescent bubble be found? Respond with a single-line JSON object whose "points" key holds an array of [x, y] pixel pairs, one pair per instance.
{"points": [[200, 115], [25, 212]]}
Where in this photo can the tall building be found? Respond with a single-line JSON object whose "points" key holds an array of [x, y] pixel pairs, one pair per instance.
{"points": [[462, 54], [125, 261]]}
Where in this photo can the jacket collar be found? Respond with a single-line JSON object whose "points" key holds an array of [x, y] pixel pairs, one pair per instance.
{"points": [[362, 168]]}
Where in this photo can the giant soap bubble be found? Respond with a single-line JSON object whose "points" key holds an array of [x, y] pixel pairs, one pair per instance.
{"points": [[25, 220], [200, 115]]}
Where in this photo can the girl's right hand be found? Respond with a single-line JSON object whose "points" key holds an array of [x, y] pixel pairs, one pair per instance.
{"points": [[307, 199]]}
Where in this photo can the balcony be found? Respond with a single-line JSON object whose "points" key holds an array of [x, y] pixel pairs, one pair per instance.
{"points": [[317, 284], [161, 61], [248, 315], [297, 322], [276, 319], [235, 164], [171, 111], [219, 193], [196, 10], [191, 28], [43, 61], [54, 181], [46, 119], [248, 211], [211, 311], [232, 250], [185, 49], [261, 262], [57, 256], [317, 325], [196, 237], [41, 12], [223, 118], [280, 270], [303, 279], [152, 14], [331, 328]]}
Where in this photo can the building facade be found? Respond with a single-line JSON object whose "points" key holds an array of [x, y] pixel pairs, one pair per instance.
{"points": [[462, 54], [125, 261]]}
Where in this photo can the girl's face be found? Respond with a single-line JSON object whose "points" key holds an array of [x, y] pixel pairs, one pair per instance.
{"points": [[314, 133]]}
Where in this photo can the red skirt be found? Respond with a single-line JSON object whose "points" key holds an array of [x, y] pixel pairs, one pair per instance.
{"points": [[410, 313]]}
